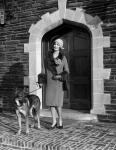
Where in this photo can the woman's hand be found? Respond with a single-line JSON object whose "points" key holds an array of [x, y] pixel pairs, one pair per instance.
{"points": [[56, 77]]}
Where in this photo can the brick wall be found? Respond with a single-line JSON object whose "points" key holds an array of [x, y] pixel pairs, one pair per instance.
{"points": [[20, 14]]}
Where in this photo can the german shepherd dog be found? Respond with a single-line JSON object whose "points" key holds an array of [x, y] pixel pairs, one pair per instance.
{"points": [[27, 105]]}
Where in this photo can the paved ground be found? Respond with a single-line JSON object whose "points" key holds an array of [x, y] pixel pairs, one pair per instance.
{"points": [[76, 135]]}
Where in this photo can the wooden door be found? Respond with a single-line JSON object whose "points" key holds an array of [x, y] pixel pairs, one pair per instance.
{"points": [[80, 71]]}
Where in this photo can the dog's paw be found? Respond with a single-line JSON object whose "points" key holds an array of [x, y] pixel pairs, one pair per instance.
{"points": [[27, 132], [39, 127], [19, 132]]}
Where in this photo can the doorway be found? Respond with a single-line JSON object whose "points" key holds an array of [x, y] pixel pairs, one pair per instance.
{"points": [[77, 49]]}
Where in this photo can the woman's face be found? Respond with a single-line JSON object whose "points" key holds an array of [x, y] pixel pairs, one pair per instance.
{"points": [[56, 46]]}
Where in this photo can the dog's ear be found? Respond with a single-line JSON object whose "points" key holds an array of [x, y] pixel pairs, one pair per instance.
{"points": [[19, 92]]}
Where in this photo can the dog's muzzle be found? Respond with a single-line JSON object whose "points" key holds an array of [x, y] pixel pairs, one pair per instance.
{"points": [[18, 102]]}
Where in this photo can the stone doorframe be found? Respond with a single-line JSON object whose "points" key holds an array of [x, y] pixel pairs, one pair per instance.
{"points": [[50, 21]]}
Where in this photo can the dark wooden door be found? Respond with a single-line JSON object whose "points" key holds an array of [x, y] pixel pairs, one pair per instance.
{"points": [[77, 48], [80, 71]]}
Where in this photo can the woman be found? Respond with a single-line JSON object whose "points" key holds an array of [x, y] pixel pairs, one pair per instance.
{"points": [[57, 68]]}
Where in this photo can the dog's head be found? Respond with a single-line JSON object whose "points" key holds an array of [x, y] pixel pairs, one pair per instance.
{"points": [[19, 98], [18, 102]]}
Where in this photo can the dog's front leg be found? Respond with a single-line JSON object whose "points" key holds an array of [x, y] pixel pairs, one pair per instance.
{"points": [[38, 120], [19, 121], [27, 124]]}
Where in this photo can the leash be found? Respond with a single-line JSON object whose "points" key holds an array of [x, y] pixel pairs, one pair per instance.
{"points": [[36, 89]]}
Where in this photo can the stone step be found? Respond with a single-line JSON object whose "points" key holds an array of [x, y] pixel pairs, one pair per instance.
{"points": [[71, 114], [111, 112], [107, 118]]}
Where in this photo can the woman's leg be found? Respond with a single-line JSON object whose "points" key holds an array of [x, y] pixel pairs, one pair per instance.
{"points": [[59, 111], [53, 112]]}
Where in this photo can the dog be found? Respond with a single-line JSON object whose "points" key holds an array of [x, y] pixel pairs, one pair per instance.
{"points": [[28, 105]]}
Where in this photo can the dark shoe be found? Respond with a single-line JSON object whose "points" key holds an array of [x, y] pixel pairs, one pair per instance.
{"points": [[60, 127]]}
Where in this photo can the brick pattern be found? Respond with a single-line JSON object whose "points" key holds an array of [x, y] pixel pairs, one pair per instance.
{"points": [[76, 135]]}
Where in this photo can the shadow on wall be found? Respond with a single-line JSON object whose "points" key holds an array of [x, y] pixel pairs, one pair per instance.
{"points": [[11, 80]]}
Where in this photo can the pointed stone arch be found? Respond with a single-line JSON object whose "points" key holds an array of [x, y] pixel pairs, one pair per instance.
{"points": [[50, 21]]}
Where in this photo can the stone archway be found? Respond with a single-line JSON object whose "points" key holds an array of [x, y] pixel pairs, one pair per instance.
{"points": [[50, 21]]}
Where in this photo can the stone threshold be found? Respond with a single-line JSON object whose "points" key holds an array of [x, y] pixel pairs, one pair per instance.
{"points": [[71, 114]]}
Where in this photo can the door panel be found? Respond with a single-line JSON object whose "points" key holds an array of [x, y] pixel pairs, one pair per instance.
{"points": [[80, 72]]}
